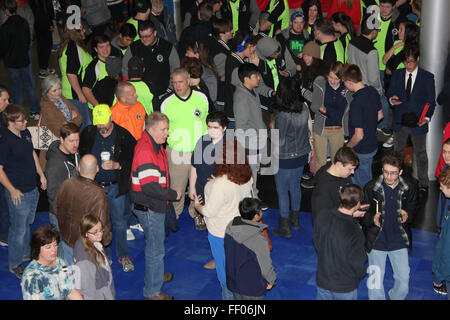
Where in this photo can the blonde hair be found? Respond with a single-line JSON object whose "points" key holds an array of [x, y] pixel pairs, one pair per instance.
{"points": [[87, 223]]}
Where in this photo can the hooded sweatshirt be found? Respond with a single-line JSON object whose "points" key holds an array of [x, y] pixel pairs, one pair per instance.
{"points": [[59, 167], [248, 264]]}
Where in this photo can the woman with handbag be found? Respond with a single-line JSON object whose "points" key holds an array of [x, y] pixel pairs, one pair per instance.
{"points": [[55, 110]]}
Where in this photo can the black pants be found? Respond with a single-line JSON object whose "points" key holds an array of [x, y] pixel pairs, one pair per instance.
{"points": [[44, 41]]}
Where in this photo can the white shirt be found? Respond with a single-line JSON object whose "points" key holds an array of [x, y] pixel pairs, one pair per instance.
{"points": [[413, 77]]}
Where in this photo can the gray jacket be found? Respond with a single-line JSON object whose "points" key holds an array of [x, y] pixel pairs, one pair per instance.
{"points": [[26, 13], [247, 109], [318, 98], [246, 247], [97, 12], [94, 283], [366, 58], [58, 169], [167, 31]]}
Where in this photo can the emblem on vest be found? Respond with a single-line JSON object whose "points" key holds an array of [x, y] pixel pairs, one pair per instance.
{"points": [[138, 116], [197, 113], [394, 31], [160, 58]]}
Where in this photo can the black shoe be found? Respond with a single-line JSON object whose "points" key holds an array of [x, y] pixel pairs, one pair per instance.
{"points": [[284, 230], [385, 131], [442, 289], [18, 271]]}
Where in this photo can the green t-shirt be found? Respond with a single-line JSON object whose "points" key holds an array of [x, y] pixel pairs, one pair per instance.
{"points": [[187, 120]]}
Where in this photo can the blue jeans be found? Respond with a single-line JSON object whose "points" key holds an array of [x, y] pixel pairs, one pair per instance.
{"points": [[21, 217], [119, 219], [53, 221], [153, 224], [400, 268], [384, 105], [363, 173], [288, 181], [4, 214], [323, 294], [23, 75], [218, 252], [85, 112]]}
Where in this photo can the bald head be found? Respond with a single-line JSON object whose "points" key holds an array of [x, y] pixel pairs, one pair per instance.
{"points": [[88, 166]]}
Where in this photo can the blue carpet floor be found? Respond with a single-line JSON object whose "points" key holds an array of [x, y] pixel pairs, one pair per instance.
{"points": [[188, 250]]}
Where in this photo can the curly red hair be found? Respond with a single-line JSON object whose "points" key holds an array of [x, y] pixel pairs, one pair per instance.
{"points": [[238, 171]]}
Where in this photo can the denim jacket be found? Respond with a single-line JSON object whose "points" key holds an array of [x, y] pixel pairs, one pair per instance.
{"points": [[293, 133]]}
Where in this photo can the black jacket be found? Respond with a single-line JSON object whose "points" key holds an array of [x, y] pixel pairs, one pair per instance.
{"points": [[326, 192], [200, 31], [15, 42], [407, 200], [339, 242], [43, 14], [123, 152]]}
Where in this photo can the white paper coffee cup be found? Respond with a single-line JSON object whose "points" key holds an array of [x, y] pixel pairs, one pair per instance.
{"points": [[105, 156]]}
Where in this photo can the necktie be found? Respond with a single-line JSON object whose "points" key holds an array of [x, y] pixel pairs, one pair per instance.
{"points": [[408, 87]]}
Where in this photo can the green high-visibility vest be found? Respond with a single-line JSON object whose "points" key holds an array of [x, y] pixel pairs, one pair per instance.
{"points": [[380, 42], [135, 23], [85, 58], [348, 37], [338, 48], [284, 16], [145, 97], [397, 51], [272, 64], [234, 6]]}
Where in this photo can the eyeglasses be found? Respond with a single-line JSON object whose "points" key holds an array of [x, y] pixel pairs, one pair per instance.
{"points": [[97, 232], [410, 61], [391, 173], [23, 120]]}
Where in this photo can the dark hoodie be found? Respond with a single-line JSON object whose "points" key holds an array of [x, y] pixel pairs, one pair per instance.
{"points": [[15, 42], [326, 192], [248, 264], [59, 167]]}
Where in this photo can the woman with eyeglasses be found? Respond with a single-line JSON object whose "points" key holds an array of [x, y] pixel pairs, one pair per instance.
{"points": [[89, 257], [47, 277]]}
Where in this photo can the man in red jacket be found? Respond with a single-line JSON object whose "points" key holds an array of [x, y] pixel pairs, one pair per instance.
{"points": [[150, 194]]}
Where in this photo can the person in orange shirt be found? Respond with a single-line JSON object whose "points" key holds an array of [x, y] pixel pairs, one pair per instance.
{"points": [[128, 112]]}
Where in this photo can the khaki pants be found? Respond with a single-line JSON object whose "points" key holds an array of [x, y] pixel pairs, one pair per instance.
{"points": [[179, 166], [332, 136]]}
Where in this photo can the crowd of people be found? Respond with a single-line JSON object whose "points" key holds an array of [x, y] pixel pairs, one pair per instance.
{"points": [[141, 118]]}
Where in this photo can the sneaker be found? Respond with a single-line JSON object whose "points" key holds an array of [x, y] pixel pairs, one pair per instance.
{"points": [[210, 265], [307, 175], [130, 235], [168, 276], [34, 116], [43, 74], [264, 206], [137, 226], [127, 264], [442, 289], [18, 271], [385, 131], [3, 243], [307, 184], [200, 224], [389, 143]]}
